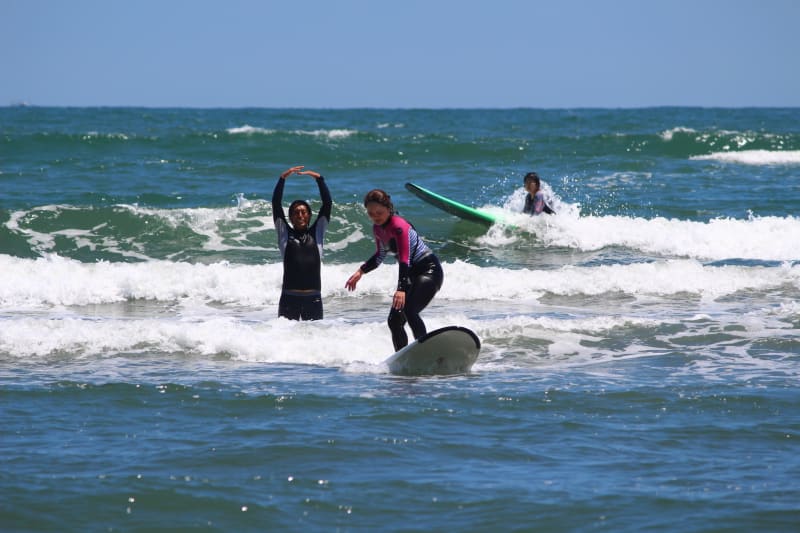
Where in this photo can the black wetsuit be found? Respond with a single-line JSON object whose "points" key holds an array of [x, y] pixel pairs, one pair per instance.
{"points": [[301, 298], [420, 275]]}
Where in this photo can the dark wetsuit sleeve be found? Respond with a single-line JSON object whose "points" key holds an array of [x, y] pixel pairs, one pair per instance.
{"points": [[404, 277], [277, 199], [403, 243], [320, 225], [281, 226], [377, 258], [371, 263], [327, 201]]}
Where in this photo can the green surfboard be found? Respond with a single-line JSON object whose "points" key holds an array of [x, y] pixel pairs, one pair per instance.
{"points": [[451, 206]]}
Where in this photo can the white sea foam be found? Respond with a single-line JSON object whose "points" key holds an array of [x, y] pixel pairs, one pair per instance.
{"points": [[759, 238], [668, 134], [672, 277], [362, 345], [330, 342], [57, 281], [332, 134], [727, 139], [766, 238], [206, 222], [271, 340], [249, 130], [97, 135], [754, 157], [57, 307]]}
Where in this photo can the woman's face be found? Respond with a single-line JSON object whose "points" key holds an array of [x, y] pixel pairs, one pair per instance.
{"points": [[378, 213], [300, 217], [531, 187]]}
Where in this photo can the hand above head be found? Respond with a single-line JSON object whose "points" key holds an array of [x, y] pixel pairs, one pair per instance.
{"points": [[315, 175], [293, 170]]}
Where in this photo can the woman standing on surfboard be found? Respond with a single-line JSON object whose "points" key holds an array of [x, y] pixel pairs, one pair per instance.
{"points": [[301, 249], [420, 273]]}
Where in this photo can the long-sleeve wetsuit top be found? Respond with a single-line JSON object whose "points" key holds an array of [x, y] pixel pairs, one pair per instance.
{"points": [[301, 250], [536, 205], [400, 238]]}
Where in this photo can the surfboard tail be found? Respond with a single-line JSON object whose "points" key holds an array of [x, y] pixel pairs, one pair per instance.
{"points": [[451, 206], [445, 351]]}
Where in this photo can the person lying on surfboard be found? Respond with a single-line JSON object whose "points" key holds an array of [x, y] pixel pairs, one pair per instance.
{"points": [[534, 200], [301, 249], [420, 273]]}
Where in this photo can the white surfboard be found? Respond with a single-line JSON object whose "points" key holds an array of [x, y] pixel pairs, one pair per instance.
{"points": [[449, 350]]}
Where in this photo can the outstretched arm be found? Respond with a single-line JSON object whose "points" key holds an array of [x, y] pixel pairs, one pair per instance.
{"points": [[277, 193], [353, 280], [324, 193]]}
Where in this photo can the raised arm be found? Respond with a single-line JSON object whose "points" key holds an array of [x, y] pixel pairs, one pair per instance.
{"points": [[277, 193], [324, 193]]}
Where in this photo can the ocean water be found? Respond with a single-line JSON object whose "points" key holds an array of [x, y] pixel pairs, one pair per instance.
{"points": [[640, 366]]}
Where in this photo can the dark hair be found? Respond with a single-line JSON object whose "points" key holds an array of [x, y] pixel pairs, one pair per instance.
{"points": [[532, 176], [294, 205], [379, 197]]}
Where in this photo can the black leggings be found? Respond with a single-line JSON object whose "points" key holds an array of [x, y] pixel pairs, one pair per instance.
{"points": [[300, 306], [426, 280]]}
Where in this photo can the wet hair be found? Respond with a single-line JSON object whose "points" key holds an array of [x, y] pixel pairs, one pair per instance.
{"points": [[532, 177], [379, 197], [296, 203]]}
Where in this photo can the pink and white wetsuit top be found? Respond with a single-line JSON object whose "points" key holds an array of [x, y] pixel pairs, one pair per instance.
{"points": [[398, 237]]}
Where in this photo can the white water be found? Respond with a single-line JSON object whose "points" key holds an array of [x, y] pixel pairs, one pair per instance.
{"points": [[731, 286], [61, 308], [763, 238], [56, 281], [766, 238], [755, 157]]}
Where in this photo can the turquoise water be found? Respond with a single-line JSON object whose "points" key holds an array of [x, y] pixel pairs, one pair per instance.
{"points": [[641, 348]]}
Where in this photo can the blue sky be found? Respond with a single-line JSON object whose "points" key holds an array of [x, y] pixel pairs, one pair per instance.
{"points": [[400, 53]]}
